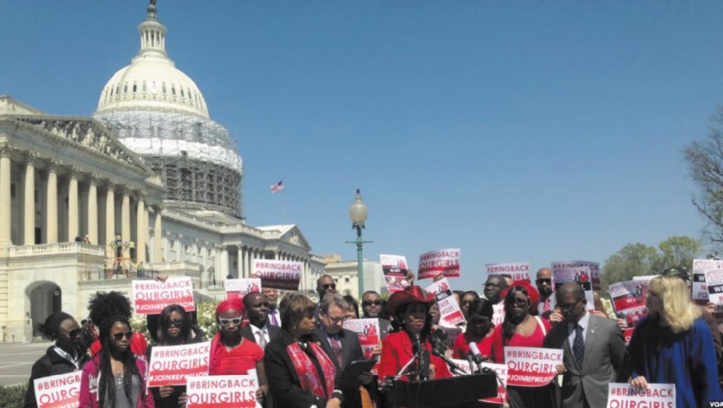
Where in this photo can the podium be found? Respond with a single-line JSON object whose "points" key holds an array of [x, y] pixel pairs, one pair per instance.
{"points": [[447, 392]]}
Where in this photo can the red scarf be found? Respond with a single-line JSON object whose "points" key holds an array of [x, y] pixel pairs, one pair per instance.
{"points": [[306, 370]]}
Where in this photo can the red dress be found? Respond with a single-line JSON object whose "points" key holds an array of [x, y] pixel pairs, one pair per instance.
{"points": [[237, 361], [460, 349], [517, 340], [397, 351]]}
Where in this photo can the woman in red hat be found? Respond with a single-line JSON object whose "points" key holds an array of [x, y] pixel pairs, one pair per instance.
{"points": [[231, 353], [409, 310], [522, 329]]}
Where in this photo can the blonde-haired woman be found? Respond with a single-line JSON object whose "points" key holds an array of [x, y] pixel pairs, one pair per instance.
{"points": [[674, 345]]}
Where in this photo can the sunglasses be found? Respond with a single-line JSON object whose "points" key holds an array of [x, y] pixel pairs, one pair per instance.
{"points": [[264, 304], [225, 322], [119, 336], [176, 323], [74, 333], [548, 281], [376, 302], [521, 301], [569, 306], [329, 285]]}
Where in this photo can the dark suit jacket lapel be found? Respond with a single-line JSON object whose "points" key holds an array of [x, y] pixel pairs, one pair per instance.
{"points": [[590, 334], [346, 343], [324, 341], [274, 331], [247, 333]]}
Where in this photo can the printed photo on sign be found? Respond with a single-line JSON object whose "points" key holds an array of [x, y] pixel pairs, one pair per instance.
{"points": [[238, 288], [714, 283], [700, 268], [150, 297], [520, 271], [622, 395], [395, 272], [592, 274], [58, 390], [171, 365], [283, 275], [579, 275], [441, 261], [222, 391], [368, 332], [531, 366], [450, 313]]}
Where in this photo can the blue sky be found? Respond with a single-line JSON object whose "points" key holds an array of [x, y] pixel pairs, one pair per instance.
{"points": [[516, 131]]}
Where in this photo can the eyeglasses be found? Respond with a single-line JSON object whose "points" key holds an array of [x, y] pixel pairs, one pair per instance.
{"points": [[521, 301], [565, 308], [176, 323], [264, 304], [337, 320], [74, 333], [367, 303], [492, 285], [544, 280], [225, 322], [329, 285], [119, 336]]}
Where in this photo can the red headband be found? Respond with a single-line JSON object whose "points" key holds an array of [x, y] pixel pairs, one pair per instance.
{"points": [[230, 304]]}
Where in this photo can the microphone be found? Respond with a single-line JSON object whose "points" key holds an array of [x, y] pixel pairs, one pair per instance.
{"points": [[452, 366], [419, 352], [474, 352]]}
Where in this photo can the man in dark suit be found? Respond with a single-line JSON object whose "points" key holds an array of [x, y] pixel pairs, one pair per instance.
{"points": [[257, 310], [594, 350], [341, 345]]}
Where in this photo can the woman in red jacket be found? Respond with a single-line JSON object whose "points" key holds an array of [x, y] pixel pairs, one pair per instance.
{"points": [[410, 310]]}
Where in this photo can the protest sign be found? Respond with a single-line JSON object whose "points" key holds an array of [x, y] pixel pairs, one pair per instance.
{"points": [[150, 297], [395, 271], [644, 277], [700, 268], [222, 391], [58, 391], [498, 314], [628, 334], [520, 271], [238, 288], [622, 395], [171, 365], [441, 261], [499, 369], [284, 275], [368, 332], [714, 283], [449, 309], [580, 275], [531, 366], [628, 299], [593, 274]]}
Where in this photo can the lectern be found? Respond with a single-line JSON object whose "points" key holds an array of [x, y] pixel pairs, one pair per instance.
{"points": [[447, 392]]}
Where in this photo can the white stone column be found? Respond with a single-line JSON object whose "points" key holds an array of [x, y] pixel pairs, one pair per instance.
{"points": [[126, 220], [239, 261], [73, 221], [157, 243], [29, 221], [51, 204], [221, 276], [141, 230], [109, 219], [93, 210], [5, 228]]}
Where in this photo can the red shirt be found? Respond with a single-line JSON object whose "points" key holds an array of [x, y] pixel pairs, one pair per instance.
{"points": [[397, 351], [461, 346], [533, 340], [237, 361]]}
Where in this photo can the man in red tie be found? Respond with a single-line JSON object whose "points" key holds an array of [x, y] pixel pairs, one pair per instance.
{"points": [[544, 286]]}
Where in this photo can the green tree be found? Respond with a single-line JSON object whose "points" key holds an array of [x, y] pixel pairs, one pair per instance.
{"points": [[639, 259]]}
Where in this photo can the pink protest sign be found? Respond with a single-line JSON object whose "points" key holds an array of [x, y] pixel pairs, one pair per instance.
{"points": [[441, 261], [449, 309], [621, 395], [222, 391], [395, 271], [520, 271], [238, 288], [284, 275], [171, 365], [593, 274], [58, 391], [369, 334], [531, 366], [150, 297]]}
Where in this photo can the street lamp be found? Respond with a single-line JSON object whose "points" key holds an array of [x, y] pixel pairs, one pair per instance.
{"points": [[358, 215]]}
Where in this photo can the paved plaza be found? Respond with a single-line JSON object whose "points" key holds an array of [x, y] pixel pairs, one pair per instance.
{"points": [[17, 359]]}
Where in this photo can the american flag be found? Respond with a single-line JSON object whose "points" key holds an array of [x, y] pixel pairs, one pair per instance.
{"points": [[277, 187]]}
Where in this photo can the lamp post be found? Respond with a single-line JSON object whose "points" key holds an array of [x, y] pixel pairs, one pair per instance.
{"points": [[358, 216]]}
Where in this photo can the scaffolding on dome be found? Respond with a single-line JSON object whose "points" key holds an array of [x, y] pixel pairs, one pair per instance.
{"points": [[194, 156]]}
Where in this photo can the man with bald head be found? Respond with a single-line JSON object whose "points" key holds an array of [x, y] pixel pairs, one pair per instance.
{"points": [[543, 282], [593, 346]]}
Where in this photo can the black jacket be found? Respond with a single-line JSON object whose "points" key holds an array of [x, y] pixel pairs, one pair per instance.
{"points": [[350, 351], [48, 365]]}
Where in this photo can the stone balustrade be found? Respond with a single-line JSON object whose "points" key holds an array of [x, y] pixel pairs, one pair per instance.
{"points": [[56, 249]]}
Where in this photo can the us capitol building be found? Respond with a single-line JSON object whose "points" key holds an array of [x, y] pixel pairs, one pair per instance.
{"points": [[150, 167]]}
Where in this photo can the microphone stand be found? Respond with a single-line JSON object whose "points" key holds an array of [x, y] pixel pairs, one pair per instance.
{"points": [[452, 366]]}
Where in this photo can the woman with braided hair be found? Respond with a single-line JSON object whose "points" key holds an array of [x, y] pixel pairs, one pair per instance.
{"points": [[115, 377], [107, 304]]}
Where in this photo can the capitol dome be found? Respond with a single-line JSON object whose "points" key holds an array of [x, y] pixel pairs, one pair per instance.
{"points": [[158, 112]]}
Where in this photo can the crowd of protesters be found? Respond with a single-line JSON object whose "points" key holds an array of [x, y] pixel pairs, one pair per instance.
{"points": [[299, 348]]}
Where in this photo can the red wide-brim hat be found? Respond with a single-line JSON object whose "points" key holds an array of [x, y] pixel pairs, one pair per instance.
{"points": [[410, 294]]}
